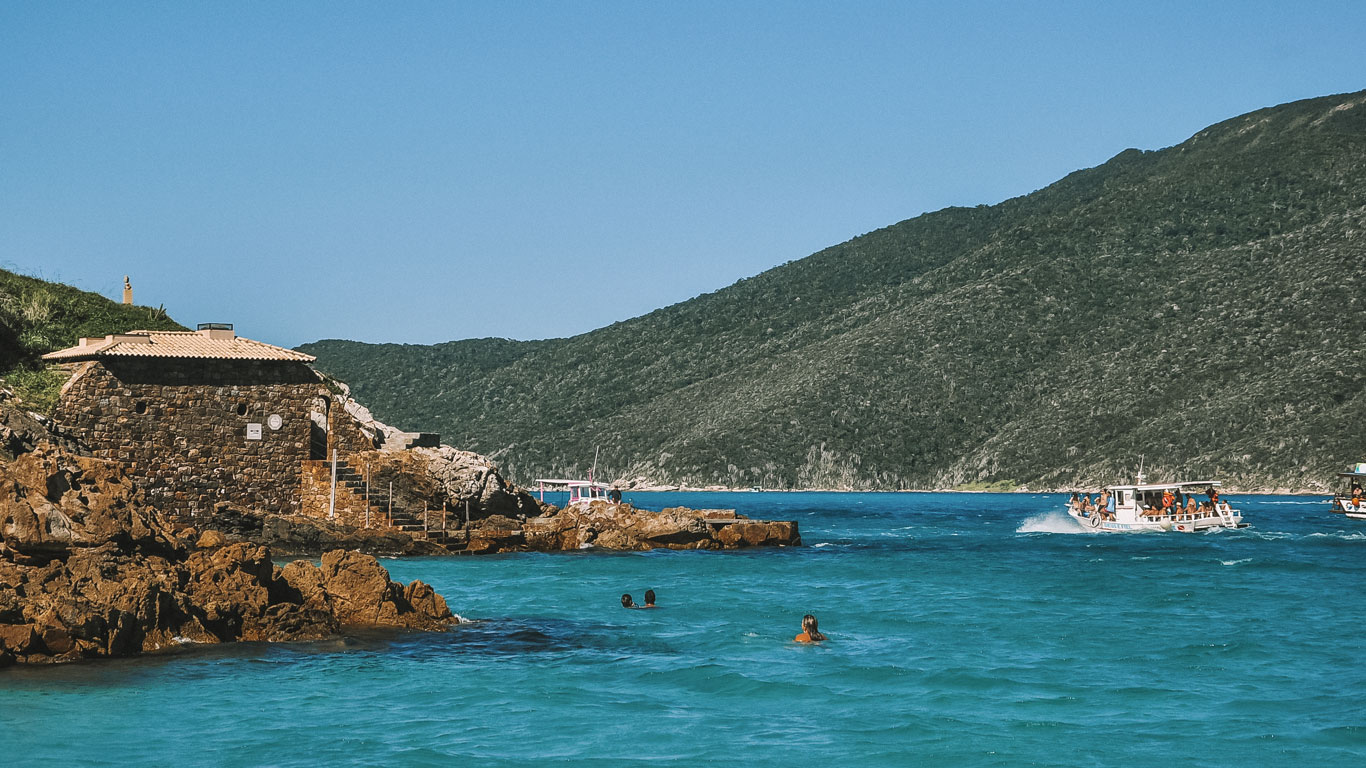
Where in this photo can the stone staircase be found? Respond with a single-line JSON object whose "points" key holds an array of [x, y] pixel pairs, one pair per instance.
{"points": [[385, 512]]}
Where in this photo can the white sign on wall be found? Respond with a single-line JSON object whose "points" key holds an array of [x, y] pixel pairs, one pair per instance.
{"points": [[253, 431]]}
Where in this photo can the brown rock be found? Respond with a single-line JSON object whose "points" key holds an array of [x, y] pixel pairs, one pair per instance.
{"points": [[358, 586], [86, 571], [623, 527], [17, 639]]}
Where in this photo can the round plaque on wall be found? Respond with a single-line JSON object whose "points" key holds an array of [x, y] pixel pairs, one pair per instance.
{"points": [[275, 421]]}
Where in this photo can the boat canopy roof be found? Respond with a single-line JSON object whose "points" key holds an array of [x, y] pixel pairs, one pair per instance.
{"points": [[1352, 474], [572, 483], [1165, 486]]}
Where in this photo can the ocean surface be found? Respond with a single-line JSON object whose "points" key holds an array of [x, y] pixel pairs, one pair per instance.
{"points": [[964, 629]]}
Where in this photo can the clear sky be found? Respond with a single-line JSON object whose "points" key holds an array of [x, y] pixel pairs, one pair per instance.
{"points": [[419, 172]]}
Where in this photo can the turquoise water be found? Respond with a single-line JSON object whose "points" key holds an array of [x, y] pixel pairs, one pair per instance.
{"points": [[964, 629]]}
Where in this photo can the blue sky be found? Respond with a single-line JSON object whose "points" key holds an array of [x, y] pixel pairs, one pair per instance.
{"points": [[418, 172]]}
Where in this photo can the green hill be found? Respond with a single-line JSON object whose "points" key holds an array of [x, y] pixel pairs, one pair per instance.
{"points": [[1199, 306], [37, 317]]}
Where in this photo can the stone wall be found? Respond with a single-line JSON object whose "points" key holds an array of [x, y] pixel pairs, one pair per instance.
{"points": [[343, 432], [181, 428], [315, 498]]}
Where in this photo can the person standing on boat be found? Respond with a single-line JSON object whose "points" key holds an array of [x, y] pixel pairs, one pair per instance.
{"points": [[1213, 494], [1109, 505], [614, 495]]}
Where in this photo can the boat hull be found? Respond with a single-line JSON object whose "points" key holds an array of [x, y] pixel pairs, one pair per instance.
{"points": [[1180, 523], [1344, 506]]}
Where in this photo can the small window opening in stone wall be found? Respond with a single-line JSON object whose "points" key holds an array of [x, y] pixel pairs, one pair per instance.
{"points": [[140, 407], [241, 409]]}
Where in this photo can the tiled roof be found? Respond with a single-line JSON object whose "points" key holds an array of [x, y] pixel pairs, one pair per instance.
{"points": [[214, 345]]}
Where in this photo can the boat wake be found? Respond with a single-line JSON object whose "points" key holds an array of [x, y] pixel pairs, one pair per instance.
{"points": [[1050, 522]]}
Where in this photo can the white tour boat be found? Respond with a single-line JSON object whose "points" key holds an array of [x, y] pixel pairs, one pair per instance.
{"points": [[1350, 501], [1193, 506]]}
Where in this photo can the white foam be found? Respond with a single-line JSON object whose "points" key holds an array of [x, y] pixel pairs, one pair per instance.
{"points": [[1340, 535], [1236, 562], [1050, 522]]}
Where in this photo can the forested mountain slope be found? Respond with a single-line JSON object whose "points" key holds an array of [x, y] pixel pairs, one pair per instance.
{"points": [[1200, 306]]}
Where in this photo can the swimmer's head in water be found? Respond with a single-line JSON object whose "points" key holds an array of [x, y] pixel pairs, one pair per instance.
{"points": [[626, 602], [649, 597], [809, 627]]}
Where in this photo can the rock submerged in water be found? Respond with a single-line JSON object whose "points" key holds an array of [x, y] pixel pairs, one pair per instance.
{"points": [[86, 571], [604, 525]]}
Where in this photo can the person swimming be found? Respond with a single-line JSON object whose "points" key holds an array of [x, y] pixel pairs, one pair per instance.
{"points": [[810, 634], [649, 599], [627, 602]]}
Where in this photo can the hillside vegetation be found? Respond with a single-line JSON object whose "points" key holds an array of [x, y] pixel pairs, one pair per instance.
{"points": [[37, 317], [1198, 307]]}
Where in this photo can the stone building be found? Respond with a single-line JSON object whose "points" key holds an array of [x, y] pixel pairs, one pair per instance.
{"points": [[200, 417]]}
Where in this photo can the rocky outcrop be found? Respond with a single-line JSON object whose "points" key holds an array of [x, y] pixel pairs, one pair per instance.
{"points": [[465, 477], [86, 571], [22, 431], [623, 527]]}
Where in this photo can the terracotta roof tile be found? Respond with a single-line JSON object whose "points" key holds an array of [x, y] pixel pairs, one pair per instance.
{"points": [[177, 344]]}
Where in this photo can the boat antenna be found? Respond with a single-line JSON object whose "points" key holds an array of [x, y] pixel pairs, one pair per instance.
{"points": [[1140, 470], [594, 470]]}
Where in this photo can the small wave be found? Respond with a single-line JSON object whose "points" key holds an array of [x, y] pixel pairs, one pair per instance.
{"points": [[822, 544], [1236, 562], [1266, 535], [1340, 536], [1050, 522]]}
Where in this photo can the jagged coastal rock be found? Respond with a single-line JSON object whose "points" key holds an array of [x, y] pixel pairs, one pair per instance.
{"points": [[604, 525], [86, 571]]}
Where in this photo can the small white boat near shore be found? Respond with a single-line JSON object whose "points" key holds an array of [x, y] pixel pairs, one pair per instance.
{"points": [[1156, 507], [580, 491]]}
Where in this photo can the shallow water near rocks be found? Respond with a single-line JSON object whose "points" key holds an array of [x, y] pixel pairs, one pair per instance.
{"points": [[965, 629]]}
